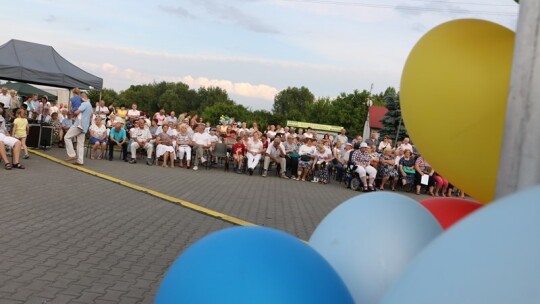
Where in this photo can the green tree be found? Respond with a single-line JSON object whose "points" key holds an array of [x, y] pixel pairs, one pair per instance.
{"points": [[291, 103], [350, 111], [213, 113], [169, 100], [318, 111], [263, 118], [392, 120], [109, 95], [211, 95], [143, 95]]}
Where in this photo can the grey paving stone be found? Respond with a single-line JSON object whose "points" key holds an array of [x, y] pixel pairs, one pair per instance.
{"points": [[70, 237], [62, 241]]}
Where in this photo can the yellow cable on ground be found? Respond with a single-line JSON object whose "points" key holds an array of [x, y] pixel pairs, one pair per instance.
{"points": [[174, 200]]}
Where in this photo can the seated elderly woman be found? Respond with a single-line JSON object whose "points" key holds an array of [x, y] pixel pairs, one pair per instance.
{"points": [[254, 152], [441, 183], [387, 165], [406, 168], [183, 142], [423, 169], [362, 159], [384, 144], [229, 140], [291, 152], [15, 145], [98, 138], [56, 125], [165, 147], [324, 161], [306, 156]]}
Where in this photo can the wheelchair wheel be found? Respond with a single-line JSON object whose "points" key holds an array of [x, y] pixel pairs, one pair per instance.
{"points": [[355, 184]]}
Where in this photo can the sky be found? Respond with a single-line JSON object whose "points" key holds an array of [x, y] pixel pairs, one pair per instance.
{"points": [[251, 48]]}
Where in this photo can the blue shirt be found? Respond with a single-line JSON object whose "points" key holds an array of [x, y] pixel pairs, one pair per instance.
{"points": [[66, 123], [86, 113], [118, 135], [76, 102]]}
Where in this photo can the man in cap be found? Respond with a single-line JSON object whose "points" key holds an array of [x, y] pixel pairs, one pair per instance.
{"points": [[118, 137], [141, 139]]}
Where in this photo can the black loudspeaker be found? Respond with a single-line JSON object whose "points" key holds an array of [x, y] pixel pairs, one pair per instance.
{"points": [[32, 140], [46, 137]]}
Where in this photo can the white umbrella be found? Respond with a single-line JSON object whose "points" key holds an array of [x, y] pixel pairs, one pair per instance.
{"points": [[367, 131]]}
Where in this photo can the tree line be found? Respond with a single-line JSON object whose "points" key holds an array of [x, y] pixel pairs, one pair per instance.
{"points": [[348, 109]]}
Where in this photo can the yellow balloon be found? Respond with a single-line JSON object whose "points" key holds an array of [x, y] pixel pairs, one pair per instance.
{"points": [[454, 89]]}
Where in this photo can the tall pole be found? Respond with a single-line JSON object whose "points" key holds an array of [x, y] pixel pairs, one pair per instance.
{"points": [[519, 166], [398, 129]]}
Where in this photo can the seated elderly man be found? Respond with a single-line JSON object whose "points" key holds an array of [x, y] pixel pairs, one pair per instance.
{"points": [[118, 137], [276, 153], [15, 145], [201, 142], [141, 139]]}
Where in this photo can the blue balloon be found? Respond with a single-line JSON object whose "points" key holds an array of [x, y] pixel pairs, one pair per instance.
{"points": [[492, 256], [251, 265], [370, 239]]}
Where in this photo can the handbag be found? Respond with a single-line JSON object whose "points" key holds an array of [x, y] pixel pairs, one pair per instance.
{"points": [[305, 157], [408, 171]]}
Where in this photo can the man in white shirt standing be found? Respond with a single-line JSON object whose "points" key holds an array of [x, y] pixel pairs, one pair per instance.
{"points": [[201, 141], [5, 98], [133, 113], [342, 137], [102, 110], [141, 139], [172, 118], [276, 153], [405, 145]]}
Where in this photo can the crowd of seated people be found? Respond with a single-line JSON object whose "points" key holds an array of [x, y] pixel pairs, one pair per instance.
{"points": [[298, 154]]}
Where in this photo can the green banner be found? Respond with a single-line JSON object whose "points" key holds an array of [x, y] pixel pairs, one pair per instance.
{"points": [[314, 126]]}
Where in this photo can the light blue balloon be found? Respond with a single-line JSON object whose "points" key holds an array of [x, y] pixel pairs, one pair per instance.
{"points": [[492, 256], [370, 238], [251, 265]]}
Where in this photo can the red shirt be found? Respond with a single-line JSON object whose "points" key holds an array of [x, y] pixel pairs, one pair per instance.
{"points": [[239, 148]]}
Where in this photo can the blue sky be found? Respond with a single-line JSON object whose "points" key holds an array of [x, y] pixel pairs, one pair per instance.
{"points": [[251, 48]]}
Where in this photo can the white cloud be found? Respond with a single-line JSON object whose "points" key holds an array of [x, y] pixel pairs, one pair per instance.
{"points": [[132, 76], [238, 88], [205, 58]]}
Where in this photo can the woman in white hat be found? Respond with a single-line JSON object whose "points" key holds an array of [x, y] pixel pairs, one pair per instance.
{"points": [[362, 160]]}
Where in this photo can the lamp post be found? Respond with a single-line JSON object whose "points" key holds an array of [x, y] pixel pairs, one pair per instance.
{"points": [[398, 129]]}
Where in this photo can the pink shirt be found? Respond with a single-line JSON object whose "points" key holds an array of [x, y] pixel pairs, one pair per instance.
{"points": [[159, 118]]}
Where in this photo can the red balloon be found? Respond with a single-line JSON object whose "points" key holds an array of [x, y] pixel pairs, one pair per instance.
{"points": [[449, 210]]}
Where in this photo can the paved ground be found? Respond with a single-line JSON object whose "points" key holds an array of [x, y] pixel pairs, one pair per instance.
{"points": [[69, 237]]}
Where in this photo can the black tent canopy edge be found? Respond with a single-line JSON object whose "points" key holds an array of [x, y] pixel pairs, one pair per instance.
{"points": [[40, 64]]}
